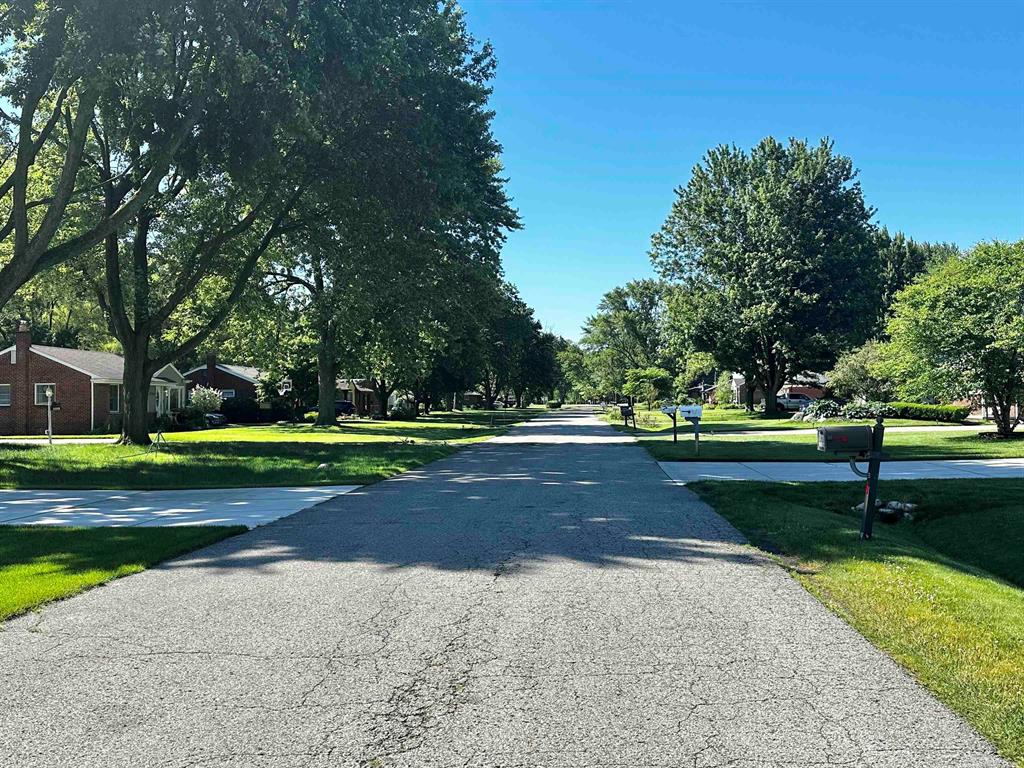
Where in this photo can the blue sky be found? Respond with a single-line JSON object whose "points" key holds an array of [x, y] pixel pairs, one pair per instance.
{"points": [[604, 107]]}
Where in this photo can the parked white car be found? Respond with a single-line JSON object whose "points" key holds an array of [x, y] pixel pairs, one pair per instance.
{"points": [[794, 402]]}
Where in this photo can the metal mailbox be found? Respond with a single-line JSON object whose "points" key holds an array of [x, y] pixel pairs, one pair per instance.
{"points": [[691, 411], [845, 440]]}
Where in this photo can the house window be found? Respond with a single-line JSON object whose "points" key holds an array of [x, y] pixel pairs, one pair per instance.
{"points": [[115, 398], [41, 393], [227, 394], [5, 395]]}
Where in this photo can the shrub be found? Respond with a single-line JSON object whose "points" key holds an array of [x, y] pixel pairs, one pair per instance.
{"points": [[822, 409], [948, 413], [206, 399], [403, 411], [241, 410], [554, 404], [309, 417], [871, 410]]}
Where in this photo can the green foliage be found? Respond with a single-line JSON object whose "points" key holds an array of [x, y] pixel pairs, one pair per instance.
{"points": [[627, 331], [554, 404], [773, 248], [647, 384], [723, 390], [959, 330], [861, 374], [954, 414]]}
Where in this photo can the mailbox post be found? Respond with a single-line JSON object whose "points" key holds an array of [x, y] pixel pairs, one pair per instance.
{"points": [[670, 410], [627, 413], [693, 413], [859, 443]]}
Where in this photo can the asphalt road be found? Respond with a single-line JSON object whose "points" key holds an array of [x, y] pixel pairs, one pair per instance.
{"points": [[559, 603]]}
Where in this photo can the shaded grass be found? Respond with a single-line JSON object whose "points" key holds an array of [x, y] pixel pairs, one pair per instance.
{"points": [[900, 445], [42, 563], [941, 595], [209, 464]]}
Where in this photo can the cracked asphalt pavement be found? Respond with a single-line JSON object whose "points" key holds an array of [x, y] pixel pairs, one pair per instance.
{"points": [[557, 602]]}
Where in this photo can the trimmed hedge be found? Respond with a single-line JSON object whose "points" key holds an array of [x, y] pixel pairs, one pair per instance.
{"points": [[949, 413], [554, 404]]}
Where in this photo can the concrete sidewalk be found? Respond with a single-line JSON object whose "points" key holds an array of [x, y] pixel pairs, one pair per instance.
{"points": [[207, 506], [811, 471], [531, 604]]}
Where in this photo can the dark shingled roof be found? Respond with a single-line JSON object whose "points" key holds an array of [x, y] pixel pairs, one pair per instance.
{"points": [[99, 365]]}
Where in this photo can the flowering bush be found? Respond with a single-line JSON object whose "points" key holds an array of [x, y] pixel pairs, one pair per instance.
{"points": [[206, 399]]}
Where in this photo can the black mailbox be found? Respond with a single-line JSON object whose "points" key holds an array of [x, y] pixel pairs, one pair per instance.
{"points": [[845, 440], [627, 411]]}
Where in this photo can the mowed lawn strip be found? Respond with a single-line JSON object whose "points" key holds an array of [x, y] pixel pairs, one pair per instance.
{"points": [[42, 563], [958, 444], [356, 452], [942, 595], [210, 464]]}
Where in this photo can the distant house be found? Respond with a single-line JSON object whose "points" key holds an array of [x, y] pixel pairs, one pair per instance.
{"points": [[810, 384], [87, 388], [361, 394], [234, 381]]}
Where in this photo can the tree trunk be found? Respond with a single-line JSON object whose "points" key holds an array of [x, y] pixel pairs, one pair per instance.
{"points": [[326, 376], [1001, 407], [748, 394], [135, 394], [383, 395]]}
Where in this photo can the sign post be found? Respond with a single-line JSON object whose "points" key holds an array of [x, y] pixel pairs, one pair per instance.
{"points": [[49, 415]]}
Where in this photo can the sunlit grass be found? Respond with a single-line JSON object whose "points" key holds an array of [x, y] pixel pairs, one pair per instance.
{"points": [[42, 563], [941, 595]]}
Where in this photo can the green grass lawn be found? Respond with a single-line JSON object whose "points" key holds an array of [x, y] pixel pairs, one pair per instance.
{"points": [[357, 452], [942, 595], [40, 563], [738, 420], [959, 444], [458, 427], [210, 464]]}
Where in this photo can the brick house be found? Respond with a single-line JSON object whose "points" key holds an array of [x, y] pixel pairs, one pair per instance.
{"points": [[87, 386], [810, 384], [360, 393], [234, 381]]}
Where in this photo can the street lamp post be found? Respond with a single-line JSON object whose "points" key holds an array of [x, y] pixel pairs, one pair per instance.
{"points": [[49, 415]]}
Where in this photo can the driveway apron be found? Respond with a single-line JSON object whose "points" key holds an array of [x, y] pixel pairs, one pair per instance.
{"points": [[546, 599]]}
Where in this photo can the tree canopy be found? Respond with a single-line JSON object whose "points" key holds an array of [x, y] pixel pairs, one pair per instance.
{"points": [[774, 249]]}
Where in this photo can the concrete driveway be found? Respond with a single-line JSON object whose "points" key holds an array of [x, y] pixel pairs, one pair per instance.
{"points": [[207, 506], [519, 604]]}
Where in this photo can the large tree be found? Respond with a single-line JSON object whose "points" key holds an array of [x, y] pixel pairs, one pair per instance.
{"points": [[774, 246], [165, 83], [341, 104], [958, 331], [628, 331]]}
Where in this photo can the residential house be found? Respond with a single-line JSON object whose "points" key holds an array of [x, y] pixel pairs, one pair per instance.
{"points": [[233, 381], [86, 388], [810, 384], [360, 393]]}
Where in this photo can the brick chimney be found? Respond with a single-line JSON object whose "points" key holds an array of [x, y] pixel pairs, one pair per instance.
{"points": [[211, 367], [22, 387], [22, 341]]}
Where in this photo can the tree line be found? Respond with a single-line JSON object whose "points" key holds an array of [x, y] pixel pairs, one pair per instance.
{"points": [[770, 266], [176, 171]]}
